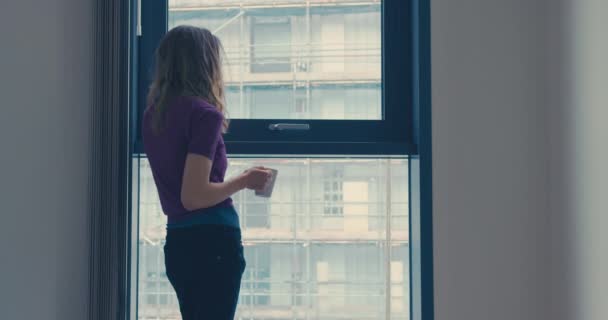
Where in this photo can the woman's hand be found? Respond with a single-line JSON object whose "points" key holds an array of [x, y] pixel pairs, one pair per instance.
{"points": [[256, 178]]}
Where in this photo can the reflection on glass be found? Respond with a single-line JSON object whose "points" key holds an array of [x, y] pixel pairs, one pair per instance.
{"points": [[315, 59], [318, 249]]}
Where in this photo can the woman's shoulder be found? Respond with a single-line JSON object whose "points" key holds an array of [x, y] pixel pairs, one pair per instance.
{"points": [[200, 107]]}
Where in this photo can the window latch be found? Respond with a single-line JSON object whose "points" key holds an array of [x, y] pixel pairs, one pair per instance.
{"points": [[289, 127]]}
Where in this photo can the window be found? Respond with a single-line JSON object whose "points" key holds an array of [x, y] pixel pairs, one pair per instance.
{"points": [[301, 104], [327, 92], [304, 73], [255, 286], [270, 44], [301, 262], [255, 210], [332, 193]]}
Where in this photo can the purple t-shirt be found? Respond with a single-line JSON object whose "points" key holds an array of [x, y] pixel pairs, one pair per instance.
{"points": [[192, 126]]}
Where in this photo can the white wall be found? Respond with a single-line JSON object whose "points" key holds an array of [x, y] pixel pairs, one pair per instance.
{"points": [[45, 77], [491, 218], [579, 158]]}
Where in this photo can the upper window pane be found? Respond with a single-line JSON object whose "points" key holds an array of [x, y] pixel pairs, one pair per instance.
{"points": [[295, 59]]}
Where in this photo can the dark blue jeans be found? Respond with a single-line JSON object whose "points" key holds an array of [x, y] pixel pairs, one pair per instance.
{"points": [[204, 264]]}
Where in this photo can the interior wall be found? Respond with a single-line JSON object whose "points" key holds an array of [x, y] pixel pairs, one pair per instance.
{"points": [[495, 192], [491, 219], [578, 109], [45, 93]]}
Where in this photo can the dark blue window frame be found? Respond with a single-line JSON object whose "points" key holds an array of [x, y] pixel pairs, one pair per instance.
{"points": [[393, 135], [406, 129]]}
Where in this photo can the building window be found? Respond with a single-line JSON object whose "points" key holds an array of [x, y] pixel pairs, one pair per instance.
{"points": [[301, 108], [270, 44], [333, 205], [255, 211], [151, 299], [163, 299], [256, 282]]}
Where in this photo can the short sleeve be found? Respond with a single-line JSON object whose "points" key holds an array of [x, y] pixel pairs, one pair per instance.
{"points": [[205, 132]]}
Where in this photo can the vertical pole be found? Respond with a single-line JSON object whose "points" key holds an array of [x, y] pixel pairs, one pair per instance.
{"points": [[307, 60], [307, 241], [242, 61], [388, 240]]}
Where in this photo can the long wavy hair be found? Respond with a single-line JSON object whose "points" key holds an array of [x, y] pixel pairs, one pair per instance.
{"points": [[188, 63]]}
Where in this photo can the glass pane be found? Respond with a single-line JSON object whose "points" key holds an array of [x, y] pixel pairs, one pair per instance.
{"points": [[318, 249], [400, 280], [295, 59]]}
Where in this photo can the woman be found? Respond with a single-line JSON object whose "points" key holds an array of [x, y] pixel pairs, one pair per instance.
{"points": [[182, 132]]}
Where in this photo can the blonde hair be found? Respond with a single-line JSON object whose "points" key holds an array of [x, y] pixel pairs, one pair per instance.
{"points": [[188, 63]]}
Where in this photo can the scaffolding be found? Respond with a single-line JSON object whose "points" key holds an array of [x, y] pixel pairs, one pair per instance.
{"points": [[302, 293], [307, 63]]}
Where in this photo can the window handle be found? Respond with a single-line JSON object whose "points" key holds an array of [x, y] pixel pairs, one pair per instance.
{"points": [[139, 31], [289, 127]]}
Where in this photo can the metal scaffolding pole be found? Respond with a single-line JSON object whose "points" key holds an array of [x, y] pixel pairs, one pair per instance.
{"points": [[309, 225], [388, 240], [242, 62], [308, 60]]}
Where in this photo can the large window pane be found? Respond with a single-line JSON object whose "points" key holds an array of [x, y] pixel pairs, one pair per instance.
{"points": [[320, 59], [318, 249]]}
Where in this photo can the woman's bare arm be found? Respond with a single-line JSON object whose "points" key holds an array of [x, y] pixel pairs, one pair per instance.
{"points": [[198, 193]]}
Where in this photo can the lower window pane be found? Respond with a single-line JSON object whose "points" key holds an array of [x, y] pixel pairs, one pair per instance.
{"points": [[318, 249]]}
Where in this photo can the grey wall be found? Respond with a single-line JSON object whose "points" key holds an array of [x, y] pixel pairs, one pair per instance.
{"points": [[491, 218], [519, 157], [520, 92], [45, 77], [578, 111]]}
